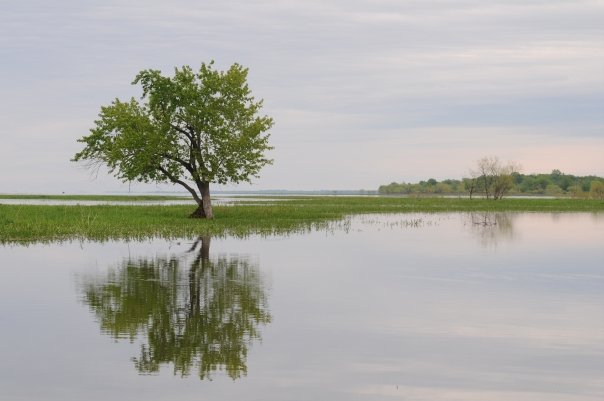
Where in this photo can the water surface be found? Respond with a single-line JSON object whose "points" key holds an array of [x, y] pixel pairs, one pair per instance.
{"points": [[405, 306]]}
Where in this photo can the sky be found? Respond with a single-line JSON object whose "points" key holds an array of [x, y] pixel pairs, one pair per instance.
{"points": [[363, 92]]}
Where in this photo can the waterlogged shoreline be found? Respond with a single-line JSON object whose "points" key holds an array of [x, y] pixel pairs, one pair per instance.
{"points": [[36, 223]]}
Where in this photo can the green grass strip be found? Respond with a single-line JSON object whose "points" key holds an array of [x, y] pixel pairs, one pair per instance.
{"points": [[103, 198], [34, 223]]}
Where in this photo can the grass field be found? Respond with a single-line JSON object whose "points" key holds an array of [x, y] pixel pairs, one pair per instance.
{"points": [[33, 223]]}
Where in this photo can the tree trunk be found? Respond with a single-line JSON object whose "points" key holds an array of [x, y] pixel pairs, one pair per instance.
{"points": [[198, 213], [206, 202], [204, 209]]}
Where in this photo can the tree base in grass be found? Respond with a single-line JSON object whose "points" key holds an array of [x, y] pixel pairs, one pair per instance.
{"points": [[199, 213]]}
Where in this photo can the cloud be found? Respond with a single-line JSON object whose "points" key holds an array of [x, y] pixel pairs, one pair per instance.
{"points": [[353, 74]]}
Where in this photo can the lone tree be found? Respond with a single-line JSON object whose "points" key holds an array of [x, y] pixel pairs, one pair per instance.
{"points": [[192, 129], [491, 176]]}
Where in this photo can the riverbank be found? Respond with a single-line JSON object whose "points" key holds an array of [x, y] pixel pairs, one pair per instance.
{"points": [[35, 223]]}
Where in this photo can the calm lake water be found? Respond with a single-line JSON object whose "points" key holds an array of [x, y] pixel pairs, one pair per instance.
{"points": [[407, 306]]}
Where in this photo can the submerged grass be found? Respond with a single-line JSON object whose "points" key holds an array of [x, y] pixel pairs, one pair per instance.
{"points": [[34, 223], [103, 198]]}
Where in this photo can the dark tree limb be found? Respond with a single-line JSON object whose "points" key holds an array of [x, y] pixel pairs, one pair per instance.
{"points": [[184, 184], [182, 131], [183, 163]]}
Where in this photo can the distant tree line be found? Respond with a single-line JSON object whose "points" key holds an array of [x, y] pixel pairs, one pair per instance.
{"points": [[505, 181]]}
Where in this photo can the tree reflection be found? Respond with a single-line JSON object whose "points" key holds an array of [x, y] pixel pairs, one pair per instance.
{"points": [[204, 318], [492, 227]]}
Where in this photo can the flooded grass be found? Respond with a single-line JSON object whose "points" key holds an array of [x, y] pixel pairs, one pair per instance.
{"points": [[35, 223], [102, 198]]}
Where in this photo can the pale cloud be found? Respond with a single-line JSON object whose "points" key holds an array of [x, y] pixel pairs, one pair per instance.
{"points": [[351, 84]]}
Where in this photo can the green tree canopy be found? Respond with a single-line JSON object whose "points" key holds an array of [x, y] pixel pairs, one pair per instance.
{"points": [[191, 129]]}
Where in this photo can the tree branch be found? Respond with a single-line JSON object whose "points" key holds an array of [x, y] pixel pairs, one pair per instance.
{"points": [[184, 184], [195, 148], [182, 131], [183, 163]]}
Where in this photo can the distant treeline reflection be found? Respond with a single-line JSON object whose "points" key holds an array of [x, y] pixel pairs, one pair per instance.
{"points": [[196, 311]]}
